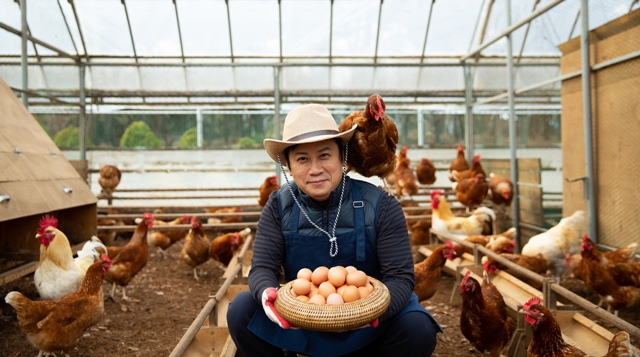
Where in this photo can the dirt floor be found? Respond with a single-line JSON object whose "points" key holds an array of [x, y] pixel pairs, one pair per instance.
{"points": [[165, 299]]}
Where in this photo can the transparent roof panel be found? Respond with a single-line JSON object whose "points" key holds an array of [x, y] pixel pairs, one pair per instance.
{"points": [[210, 78], [254, 28], [402, 27], [355, 26], [104, 26], [204, 27], [301, 78], [305, 28], [154, 27], [452, 27], [47, 24]]}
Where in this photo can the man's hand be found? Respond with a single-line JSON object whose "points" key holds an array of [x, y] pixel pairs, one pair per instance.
{"points": [[268, 297]]}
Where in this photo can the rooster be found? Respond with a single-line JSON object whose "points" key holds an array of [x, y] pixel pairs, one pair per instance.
{"points": [[372, 148], [483, 317], [476, 168], [427, 272], [500, 190], [223, 247], [560, 239], [405, 179], [459, 163], [163, 239], [547, 338], [426, 172], [109, 178], [59, 274], [442, 219], [597, 276], [269, 185], [196, 246], [57, 325], [471, 191], [131, 258]]}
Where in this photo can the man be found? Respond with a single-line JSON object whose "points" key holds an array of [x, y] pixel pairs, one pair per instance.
{"points": [[325, 218]]}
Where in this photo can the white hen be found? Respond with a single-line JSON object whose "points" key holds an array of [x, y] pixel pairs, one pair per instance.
{"points": [[555, 243]]}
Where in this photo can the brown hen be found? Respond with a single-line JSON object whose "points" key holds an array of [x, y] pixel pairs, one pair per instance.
{"points": [[426, 172], [427, 272]]}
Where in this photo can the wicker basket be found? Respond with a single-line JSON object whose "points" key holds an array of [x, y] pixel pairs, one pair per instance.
{"points": [[333, 318]]}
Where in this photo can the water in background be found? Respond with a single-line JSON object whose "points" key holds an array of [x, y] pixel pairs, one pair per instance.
{"points": [[152, 169]]}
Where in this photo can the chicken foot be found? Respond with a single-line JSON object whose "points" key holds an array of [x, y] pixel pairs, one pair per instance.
{"points": [[195, 274]]}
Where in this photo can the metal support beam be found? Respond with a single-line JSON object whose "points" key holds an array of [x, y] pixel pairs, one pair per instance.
{"points": [[484, 22], [512, 28], [25, 63], [75, 15], [586, 107], [230, 36], [330, 42], [526, 33], [420, 115], [573, 27], [66, 23], [199, 126], [424, 44], [35, 40], [276, 113], [280, 27], [83, 119], [468, 99], [515, 205], [375, 57], [133, 43], [175, 6]]}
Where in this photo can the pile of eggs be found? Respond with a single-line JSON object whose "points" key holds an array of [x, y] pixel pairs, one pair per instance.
{"points": [[334, 286]]}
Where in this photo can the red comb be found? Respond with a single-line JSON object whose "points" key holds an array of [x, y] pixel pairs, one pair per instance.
{"points": [[148, 215], [449, 244], [105, 258], [585, 238], [533, 301], [46, 222], [466, 276], [193, 219], [435, 192]]}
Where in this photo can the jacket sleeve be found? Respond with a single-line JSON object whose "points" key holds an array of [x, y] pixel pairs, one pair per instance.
{"points": [[394, 254], [268, 250]]}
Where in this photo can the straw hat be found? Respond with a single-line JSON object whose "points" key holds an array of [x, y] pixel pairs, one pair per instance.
{"points": [[306, 124]]}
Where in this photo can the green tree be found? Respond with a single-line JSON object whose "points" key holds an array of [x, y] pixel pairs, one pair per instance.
{"points": [[69, 137], [190, 138], [138, 134], [246, 142]]}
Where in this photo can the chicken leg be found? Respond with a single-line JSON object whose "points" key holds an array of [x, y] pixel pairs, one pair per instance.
{"points": [[195, 274]]}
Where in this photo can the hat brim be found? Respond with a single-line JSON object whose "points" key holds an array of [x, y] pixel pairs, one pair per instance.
{"points": [[273, 147]]}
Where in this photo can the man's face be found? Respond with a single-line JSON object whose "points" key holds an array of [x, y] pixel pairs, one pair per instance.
{"points": [[316, 168]]}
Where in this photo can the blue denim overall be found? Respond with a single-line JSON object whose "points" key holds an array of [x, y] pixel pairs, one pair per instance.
{"points": [[303, 251]]}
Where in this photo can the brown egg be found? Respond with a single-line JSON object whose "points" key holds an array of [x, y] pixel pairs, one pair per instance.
{"points": [[344, 270], [369, 287], [335, 299], [357, 278], [301, 286], [326, 288], [314, 291], [317, 299], [340, 290], [350, 294], [363, 292], [304, 273], [350, 269], [303, 298], [336, 277], [319, 275]]}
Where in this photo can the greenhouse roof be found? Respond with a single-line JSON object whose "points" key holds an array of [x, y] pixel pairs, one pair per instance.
{"points": [[216, 52]]}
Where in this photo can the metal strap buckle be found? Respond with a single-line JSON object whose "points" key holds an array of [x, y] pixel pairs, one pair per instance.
{"points": [[358, 204]]}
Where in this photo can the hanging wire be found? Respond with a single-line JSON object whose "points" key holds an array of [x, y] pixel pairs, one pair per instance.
{"points": [[333, 248]]}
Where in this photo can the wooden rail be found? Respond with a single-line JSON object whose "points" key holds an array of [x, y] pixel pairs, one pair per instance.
{"points": [[206, 311], [177, 227], [588, 335]]}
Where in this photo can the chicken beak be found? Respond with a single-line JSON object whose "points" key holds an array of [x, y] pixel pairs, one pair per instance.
{"points": [[521, 311], [38, 235]]}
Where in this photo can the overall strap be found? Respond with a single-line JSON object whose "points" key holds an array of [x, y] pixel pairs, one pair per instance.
{"points": [[358, 213], [293, 220]]}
